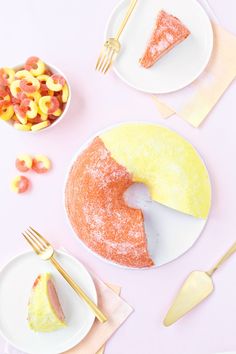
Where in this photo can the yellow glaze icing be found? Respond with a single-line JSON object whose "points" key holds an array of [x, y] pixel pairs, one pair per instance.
{"points": [[165, 162], [41, 316]]}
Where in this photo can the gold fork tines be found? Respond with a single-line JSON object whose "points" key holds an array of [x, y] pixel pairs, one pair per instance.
{"points": [[46, 252], [112, 45]]}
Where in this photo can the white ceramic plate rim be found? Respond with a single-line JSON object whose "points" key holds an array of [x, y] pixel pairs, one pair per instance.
{"points": [[95, 299], [82, 148], [121, 77]]}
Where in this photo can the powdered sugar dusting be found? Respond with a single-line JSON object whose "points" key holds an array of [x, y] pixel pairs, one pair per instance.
{"points": [[98, 212], [168, 32]]}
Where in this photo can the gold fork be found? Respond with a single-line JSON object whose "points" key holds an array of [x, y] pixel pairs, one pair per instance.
{"points": [[45, 250], [112, 45]]}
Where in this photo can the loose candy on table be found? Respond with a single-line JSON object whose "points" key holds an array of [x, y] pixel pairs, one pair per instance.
{"points": [[41, 164], [24, 163], [20, 184]]}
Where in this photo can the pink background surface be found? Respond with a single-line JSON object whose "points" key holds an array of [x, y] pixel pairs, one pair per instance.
{"points": [[69, 34]]}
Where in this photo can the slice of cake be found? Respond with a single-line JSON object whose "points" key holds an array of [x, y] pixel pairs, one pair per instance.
{"points": [[168, 32], [44, 310]]}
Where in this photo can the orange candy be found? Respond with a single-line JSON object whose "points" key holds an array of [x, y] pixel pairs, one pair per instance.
{"points": [[24, 163], [20, 184], [41, 164]]}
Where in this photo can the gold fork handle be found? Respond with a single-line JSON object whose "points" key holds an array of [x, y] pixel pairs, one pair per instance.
{"points": [[223, 259], [98, 313], [127, 16]]}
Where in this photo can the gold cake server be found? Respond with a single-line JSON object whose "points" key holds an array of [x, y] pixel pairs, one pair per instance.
{"points": [[198, 286]]}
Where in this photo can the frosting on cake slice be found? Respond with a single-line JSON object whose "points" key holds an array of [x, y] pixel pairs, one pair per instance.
{"points": [[168, 32], [44, 310]]}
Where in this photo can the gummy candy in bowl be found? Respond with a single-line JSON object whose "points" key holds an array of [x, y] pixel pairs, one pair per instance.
{"points": [[34, 96]]}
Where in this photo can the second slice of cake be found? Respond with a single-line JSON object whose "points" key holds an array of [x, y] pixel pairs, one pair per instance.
{"points": [[168, 32]]}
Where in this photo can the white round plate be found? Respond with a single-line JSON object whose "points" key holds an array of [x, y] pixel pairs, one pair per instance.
{"points": [[169, 233], [178, 68], [16, 281]]}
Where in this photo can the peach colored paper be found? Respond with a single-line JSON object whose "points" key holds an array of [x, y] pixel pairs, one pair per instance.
{"points": [[116, 289], [194, 102], [117, 311]]}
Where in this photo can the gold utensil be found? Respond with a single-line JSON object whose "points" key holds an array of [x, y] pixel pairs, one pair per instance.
{"points": [[112, 45], [195, 289], [45, 251]]}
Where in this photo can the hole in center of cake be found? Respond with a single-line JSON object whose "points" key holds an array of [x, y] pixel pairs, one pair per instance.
{"points": [[138, 196]]}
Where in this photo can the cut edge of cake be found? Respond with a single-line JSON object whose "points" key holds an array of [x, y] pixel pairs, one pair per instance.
{"points": [[45, 313]]}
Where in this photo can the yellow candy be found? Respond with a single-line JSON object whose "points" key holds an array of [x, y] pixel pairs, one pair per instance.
{"points": [[6, 112], [43, 78], [29, 80], [40, 68], [40, 126], [9, 73], [35, 96], [15, 88], [22, 120], [22, 74], [52, 85], [65, 93], [57, 113], [23, 127], [33, 111], [44, 116], [43, 103]]}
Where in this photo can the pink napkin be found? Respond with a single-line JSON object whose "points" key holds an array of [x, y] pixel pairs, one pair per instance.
{"points": [[117, 311], [194, 102]]}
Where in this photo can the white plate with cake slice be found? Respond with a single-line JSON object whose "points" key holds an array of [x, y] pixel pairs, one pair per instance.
{"points": [[176, 57], [16, 284]]}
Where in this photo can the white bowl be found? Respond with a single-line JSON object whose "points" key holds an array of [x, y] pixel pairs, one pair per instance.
{"points": [[54, 70]]}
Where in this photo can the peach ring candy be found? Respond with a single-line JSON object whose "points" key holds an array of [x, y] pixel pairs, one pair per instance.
{"points": [[6, 111], [20, 184], [41, 164], [22, 74], [6, 76], [15, 88], [55, 82], [29, 84], [4, 96], [40, 126], [48, 104], [36, 120], [35, 96], [65, 93], [43, 79], [24, 163], [43, 116], [23, 127], [20, 113], [35, 66], [30, 106]]}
